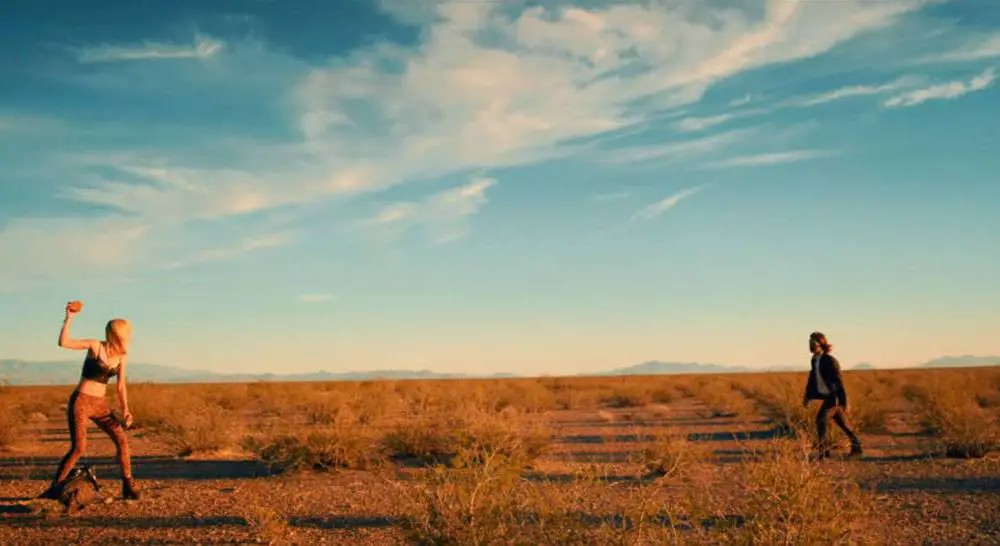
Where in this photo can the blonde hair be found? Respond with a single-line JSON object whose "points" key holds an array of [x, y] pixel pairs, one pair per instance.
{"points": [[117, 335]]}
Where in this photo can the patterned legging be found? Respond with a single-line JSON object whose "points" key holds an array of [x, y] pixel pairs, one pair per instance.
{"points": [[95, 408]]}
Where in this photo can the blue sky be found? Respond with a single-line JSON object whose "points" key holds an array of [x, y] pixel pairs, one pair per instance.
{"points": [[533, 188]]}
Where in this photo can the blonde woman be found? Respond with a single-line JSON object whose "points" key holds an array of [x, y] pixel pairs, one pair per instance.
{"points": [[104, 360]]}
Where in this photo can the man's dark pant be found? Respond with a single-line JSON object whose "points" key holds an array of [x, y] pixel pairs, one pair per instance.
{"points": [[828, 410]]}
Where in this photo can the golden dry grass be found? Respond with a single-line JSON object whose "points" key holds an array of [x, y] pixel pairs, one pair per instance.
{"points": [[471, 450]]}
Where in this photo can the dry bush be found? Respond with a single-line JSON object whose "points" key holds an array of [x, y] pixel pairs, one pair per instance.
{"points": [[576, 399], [960, 426], [324, 408], [199, 428], [45, 402], [338, 434], [152, 405], [787, 499], [438, 437], [988, 400], [484, 500], [476, 503], [670, 454], [780, 398], [664, 394], [525, 395], [872, 399], [687, 390], [10, 423], [722, 401], [183, 418], [428, 441], [567, 394], [231, 397], [628, 396], [592, 509], [988, 390], [332, 447], [267, 525], [870, 409]]}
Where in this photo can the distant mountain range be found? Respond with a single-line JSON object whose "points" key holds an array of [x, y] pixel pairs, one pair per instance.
{"points": [[22, 372], [964, 361], [655, 367]]}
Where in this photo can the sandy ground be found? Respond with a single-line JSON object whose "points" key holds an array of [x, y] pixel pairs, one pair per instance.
{"points": [[212, 501]]}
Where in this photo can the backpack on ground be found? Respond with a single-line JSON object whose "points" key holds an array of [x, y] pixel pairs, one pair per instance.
{"points": [[79, 489]]}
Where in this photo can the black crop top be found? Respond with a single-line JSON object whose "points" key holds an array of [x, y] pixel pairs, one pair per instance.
{"points": [[96, 369]]}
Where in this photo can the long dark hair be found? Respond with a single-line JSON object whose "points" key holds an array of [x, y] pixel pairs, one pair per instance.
{"points": [[820, 338]]}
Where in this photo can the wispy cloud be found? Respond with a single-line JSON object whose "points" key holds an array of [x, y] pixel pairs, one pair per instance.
{"points": [[230, 252], [663, 205], [453, 103], [678, 149], [702, 123], [944, 91], [984, 48], [203, 48], [855, 91], [316, 298], [742, 101], [381, 116], [774, 158], [442, 213]]}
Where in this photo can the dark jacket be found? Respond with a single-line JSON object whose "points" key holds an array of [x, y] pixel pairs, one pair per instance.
{"points": [[829, 369]]}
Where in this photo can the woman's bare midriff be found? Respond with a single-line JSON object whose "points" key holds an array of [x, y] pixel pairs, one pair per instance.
{"points": [[93, 388]]}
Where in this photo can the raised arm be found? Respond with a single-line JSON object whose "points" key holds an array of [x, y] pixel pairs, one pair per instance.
{"points": [[69, 343]]}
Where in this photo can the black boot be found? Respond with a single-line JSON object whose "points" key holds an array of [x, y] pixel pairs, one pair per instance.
{"points": [[52, 493], [129, 491]]}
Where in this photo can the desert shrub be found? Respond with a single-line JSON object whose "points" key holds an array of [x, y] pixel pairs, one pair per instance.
{"points": [[183, 420], [686, 390], [10, 423], [781, 400], [869, 409], [484, 500], [960, 426], [988, 400], [631, 396], [44, 402], [478, 502], [722, 401], [438, 437], [576, 398], [669, 454], [786, 499], [325, 449], [663, 394], [430, 441], [202, 429], [589, 509], [267, 525], [231, 397], [528, 396], [153, 406], [324, 408]]}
